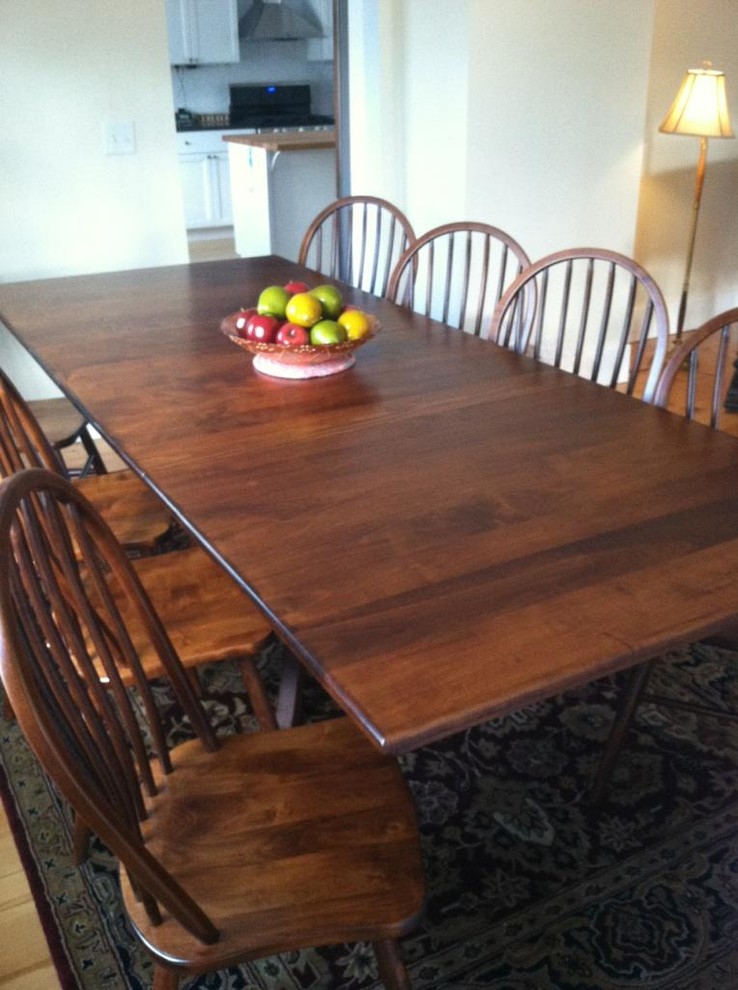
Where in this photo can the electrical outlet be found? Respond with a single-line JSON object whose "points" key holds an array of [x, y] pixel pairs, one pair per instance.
{"points": [[119, 137]]}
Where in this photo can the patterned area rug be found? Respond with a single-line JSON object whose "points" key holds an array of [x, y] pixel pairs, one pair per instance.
{"points": [[527, 888]]}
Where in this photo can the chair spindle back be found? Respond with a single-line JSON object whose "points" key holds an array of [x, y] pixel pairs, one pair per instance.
{"points": [[456, 274], [357, 240], [588, 311], [67, 593], [22, 441], [700, 378]]}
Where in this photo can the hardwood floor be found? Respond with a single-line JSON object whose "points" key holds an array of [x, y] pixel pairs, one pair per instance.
{"points": [[25, 963], [211, 249]]}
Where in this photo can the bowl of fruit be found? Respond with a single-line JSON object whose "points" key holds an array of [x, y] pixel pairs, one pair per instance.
{"points": [[294, 331]]}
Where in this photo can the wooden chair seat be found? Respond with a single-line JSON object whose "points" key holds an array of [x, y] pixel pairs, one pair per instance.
{"points": [[64, 425], [61, 422], [286, 840], [207, 616], [138, 518]]}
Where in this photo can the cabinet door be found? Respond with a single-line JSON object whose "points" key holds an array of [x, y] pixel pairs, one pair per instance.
{"points": [[216, 30], [221, 186], [206, 190], [202, 31], [321, 49], [194, 174], [178, 32]]}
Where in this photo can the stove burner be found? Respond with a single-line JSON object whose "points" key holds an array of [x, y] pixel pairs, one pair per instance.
{"points": [[273, 107]]}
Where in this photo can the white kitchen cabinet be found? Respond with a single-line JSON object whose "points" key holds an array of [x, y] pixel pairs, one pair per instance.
{"points": [[321, 49], [203, 32], [204, 174], [206, 190]]}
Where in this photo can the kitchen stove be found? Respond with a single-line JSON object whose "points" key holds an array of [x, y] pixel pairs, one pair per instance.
{"points": [[294, 129], [275, 107]]}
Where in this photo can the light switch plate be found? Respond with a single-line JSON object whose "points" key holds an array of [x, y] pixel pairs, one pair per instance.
{"points": [[119, 137]]}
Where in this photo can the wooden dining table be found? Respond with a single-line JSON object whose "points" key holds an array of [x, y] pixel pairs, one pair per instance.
{"points": [[443, 533]]}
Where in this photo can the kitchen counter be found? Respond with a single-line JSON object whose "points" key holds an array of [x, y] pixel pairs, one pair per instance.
{"points": [[286, 141], [279, 183]]}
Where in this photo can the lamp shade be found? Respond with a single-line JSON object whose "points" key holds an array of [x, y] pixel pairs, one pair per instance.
{"points": [[700, 107]]}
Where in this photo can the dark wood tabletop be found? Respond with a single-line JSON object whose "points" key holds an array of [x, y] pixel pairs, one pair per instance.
{"points": [[443, 533]]}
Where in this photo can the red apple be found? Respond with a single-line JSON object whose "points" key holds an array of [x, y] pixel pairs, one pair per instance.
{"points": [[295, 287], [262, 329], [292, 335], [242, 321]]}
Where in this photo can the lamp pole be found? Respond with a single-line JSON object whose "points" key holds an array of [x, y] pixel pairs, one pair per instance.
{"points": [[699, 183], [700, 109]]}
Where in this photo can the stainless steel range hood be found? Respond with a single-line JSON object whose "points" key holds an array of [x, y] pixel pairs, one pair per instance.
{"points": [[271, 20]]}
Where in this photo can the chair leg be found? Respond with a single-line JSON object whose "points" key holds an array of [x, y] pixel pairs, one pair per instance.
{"points": [[8, 713], [391, 968], [290, 692], [633, 692], [81, 836], [257, 695], [165, 979], [94, 463], [194, 680]]}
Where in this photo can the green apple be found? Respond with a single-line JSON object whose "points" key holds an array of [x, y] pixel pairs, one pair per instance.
{"points": [[327, 332], [273, 301], [330, 299]]}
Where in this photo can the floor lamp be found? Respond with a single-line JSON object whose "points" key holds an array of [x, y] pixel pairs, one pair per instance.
{"points": [[700, 109]]}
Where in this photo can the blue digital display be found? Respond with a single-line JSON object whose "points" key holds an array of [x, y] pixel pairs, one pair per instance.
{"points": [[271, 89]]}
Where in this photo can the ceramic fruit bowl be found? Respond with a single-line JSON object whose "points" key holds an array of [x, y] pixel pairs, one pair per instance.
{"points": [[304, 361]]}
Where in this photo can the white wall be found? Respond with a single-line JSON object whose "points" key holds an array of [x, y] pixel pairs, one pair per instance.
{"points": [[66, 207], [440, 138], [557, 100], [377, 101], [527, 115], [684, 34]]}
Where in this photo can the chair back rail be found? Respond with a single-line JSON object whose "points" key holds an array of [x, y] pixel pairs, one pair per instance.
{"points": [[701, 375], [62, 578], [456, 273], [23, 444], [357, 240], [590, 311]]}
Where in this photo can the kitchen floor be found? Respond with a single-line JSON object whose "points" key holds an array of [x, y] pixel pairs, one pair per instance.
{"points": [[211, 248]]}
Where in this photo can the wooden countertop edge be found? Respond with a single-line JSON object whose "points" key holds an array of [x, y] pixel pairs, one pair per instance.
{"points": [[288, 141]]}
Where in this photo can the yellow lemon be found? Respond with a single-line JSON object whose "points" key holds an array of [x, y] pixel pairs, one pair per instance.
{"points": [[303, 309], [355, 322]]}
